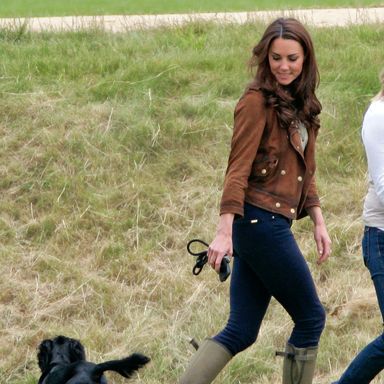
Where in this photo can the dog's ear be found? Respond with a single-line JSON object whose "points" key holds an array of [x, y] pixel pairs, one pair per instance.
{"points": [[44, 354], [76, 351]]}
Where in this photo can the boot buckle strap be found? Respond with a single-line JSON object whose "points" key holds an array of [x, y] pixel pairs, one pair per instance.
{"points": [[289, 355], [292, 356]]}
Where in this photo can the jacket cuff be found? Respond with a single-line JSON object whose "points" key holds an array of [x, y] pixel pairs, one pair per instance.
{"points": [[235, 209], [312, 202]]}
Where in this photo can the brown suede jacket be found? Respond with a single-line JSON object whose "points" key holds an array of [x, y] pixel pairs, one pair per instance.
{"points": [[267, 166]]}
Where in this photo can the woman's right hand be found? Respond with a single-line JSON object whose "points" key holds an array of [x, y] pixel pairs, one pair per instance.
{"points": [[222, 243]]}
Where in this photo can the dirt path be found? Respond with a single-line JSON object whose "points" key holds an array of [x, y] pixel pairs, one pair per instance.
{"points": [[318, 17]]}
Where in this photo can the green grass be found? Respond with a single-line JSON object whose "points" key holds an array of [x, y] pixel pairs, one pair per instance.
{"points": [[28, 8], [113, 150]]}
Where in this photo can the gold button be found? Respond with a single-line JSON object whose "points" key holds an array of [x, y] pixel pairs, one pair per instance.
{"points": [[264, 171], [283, 172], [278, 205], [300, 178], [292, 210]]}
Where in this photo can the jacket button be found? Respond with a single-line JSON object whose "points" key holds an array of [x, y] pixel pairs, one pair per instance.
{"points": [[263, 171], [300, 178], [283, 172], [278, 205], [292, 210]]}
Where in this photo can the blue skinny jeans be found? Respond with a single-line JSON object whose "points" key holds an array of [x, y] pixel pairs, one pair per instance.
{"points": [[269, 263], [370, 361]]}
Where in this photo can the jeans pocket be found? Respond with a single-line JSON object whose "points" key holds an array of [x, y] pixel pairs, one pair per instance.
{"points": [[373, 251], [280, 222], [244, 221], [380, 242]]}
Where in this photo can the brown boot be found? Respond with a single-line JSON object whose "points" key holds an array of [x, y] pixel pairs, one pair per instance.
{"points": [[206, 364], [299, 364]]}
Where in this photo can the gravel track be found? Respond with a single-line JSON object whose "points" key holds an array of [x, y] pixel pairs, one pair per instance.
{"points": [[120, 23]]}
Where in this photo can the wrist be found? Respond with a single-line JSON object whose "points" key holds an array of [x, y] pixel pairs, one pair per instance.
{"points": [[226, 232], [316, 216], [318, 221], [225, 225]]}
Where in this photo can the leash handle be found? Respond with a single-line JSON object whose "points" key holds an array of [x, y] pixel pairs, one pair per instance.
{"points": [[198, 241], [202, 259]]}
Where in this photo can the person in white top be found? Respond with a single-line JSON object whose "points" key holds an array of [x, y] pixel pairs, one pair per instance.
{"points": [[370, 361]]}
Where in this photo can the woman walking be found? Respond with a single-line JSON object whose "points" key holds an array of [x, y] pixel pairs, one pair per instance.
{"points": [[270, 182]]}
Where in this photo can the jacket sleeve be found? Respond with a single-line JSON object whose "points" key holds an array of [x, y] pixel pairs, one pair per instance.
{"points": [[249, 124], [312, 196]]}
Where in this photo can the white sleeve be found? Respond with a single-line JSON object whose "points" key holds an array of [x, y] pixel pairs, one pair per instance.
{"points": [[373, 138]]}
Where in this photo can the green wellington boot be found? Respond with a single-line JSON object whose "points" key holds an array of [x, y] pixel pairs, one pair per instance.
{"points": [[299, 364], [206, 364]]}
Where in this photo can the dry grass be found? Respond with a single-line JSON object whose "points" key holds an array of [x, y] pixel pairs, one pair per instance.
{"points": [[113, 154]]}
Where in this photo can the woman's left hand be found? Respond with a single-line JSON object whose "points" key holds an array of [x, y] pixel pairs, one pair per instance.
{"points": [[323, 242]]}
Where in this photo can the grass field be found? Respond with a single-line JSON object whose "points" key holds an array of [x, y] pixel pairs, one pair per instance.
{"points": [[28, 8], [113, 150]]}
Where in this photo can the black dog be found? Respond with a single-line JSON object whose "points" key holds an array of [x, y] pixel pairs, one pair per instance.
{"points": [[62, 361]]}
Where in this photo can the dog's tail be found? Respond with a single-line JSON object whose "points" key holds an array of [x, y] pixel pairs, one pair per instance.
{"points": [[125, 367]]}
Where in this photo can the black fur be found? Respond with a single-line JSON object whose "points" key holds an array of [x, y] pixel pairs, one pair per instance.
{"points": [[62, 361]]}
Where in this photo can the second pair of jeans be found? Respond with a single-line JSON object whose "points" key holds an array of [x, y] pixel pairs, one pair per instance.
{"points": [[370, 361]]}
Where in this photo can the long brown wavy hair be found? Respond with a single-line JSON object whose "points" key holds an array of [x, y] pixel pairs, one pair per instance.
{"points": [[298, 100]]}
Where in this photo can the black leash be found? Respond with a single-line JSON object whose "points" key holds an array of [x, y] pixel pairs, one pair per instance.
{"points": [[202, 259]]}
